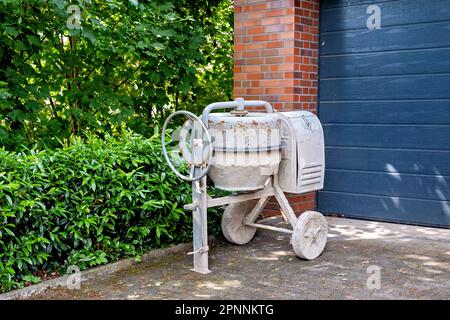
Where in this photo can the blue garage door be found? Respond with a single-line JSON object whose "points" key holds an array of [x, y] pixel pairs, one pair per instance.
{"points": [[385, 106]]}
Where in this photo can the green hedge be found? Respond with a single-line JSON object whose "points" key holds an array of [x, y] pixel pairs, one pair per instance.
{"points": [[93, 202]]}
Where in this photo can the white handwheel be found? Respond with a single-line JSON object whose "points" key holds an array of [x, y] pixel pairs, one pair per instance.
{"points": [[310, 235], [207, 136], [233, 227]]}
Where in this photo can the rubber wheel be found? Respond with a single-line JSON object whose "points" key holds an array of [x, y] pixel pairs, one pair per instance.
{"points": [[310, 235], [233, 227]]}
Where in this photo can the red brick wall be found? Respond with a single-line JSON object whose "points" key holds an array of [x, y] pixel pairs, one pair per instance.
{"points": [[276, 59]]}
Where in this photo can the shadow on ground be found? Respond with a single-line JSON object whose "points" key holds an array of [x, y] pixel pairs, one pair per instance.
{"points": [[414, 262]]}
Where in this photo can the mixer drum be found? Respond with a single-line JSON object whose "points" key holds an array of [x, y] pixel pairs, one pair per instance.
{"points": [[247, 150]]}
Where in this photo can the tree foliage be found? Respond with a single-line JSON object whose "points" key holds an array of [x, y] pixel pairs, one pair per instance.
{"points": [[129, 64], [78, 183]]}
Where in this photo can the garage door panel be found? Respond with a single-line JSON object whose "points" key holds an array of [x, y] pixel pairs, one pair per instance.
{"points": [[386, 112], [425, 137], [425, 212], [355, 16], [386, 63], [431, 35], [387, 87], [428, 187], [423, 162], [327, 4], [384, 101]]}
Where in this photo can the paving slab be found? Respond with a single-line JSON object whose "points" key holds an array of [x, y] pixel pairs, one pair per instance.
{"points": [[412, 263]]}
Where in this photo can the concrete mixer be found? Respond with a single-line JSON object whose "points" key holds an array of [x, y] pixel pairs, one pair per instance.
{"points": [[256, 155]]}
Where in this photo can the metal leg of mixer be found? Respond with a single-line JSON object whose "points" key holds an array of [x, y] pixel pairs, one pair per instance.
{"points": [[200, 226], [251, 217], [284, 202]]}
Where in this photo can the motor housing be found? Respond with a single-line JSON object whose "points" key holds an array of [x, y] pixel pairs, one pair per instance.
{"points": [[302, 167]]}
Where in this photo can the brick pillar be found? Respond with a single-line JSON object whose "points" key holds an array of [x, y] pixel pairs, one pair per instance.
{"points": [[276, 59]]}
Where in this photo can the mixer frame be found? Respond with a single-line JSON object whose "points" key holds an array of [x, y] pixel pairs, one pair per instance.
{"points": [[307, 229]]}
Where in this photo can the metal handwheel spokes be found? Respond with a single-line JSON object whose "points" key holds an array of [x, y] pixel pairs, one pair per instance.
{"points": [[200, 142], [186, 142]]}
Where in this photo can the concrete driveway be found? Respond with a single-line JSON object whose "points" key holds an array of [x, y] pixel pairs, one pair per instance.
{"points": [[405, 262]]}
